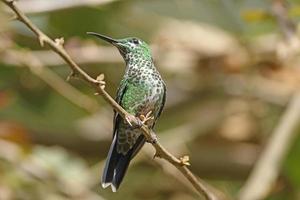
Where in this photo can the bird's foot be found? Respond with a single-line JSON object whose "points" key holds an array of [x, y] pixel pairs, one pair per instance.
{"points": [[138, 122], [133, 121], [146, 118]]}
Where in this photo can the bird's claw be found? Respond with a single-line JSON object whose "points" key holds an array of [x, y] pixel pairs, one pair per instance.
{"points": [[146, 118], [133, 121], [138, 122]]}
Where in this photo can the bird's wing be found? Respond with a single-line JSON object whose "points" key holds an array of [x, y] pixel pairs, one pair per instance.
{"points": [[163, 101], [120, 93]]}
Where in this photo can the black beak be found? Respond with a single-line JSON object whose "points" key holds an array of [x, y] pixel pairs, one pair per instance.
{"points": [[103, 37]]}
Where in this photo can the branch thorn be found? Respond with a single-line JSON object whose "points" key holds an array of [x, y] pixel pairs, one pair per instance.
{"points": [[71, 75], [42, 39], [156, 155], [13, 18]]}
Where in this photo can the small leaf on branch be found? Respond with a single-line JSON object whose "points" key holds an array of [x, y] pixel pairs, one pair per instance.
{"points": [[185, 160], [100, 77], [100, 80], [59, 41]]}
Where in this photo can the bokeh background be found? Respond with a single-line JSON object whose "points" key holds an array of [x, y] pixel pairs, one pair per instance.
{"points": [[231, 67]]}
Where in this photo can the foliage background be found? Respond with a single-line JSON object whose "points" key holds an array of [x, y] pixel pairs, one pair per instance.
{"points": [[229, 72]]}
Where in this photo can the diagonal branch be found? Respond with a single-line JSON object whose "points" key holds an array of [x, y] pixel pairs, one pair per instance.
{"points": [[57, 47], [28, 59], [266, 170]]}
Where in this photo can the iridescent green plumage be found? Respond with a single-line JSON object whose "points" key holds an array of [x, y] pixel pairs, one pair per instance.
{"points": [[141, 91]]}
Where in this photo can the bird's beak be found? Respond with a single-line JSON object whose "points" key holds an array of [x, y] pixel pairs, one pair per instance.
{"points": [[112, 41], [103, 37]]}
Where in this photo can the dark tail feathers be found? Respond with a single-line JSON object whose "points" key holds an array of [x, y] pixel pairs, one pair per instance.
{"points": [[117, 164]]}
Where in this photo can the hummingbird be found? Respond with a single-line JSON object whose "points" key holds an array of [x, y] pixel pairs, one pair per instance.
{"points": [[142, 93]]}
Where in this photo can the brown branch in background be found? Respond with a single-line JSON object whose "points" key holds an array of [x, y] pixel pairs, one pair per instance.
{"points": [[98, 85], [265, 172], [57, 83]]}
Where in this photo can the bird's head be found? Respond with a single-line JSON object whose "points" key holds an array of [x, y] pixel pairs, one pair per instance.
{"points": [[128, 47]]}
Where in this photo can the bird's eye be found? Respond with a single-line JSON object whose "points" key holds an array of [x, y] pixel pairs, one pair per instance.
{"points": [[135, 41]]}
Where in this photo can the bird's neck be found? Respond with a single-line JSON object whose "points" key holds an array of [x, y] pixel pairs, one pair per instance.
{"points": [[139, 64], [137, 55]]}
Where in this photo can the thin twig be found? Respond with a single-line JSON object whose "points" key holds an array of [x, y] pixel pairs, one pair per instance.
{"points": [[97, 85], [53, 80], [268, 166]]}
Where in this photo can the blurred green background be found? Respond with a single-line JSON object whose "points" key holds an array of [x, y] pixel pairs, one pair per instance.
{"points": [[229, 67]]}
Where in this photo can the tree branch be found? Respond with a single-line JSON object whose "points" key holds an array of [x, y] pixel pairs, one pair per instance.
{"points": [[76, 97], [56, 46], [266, 170]]}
